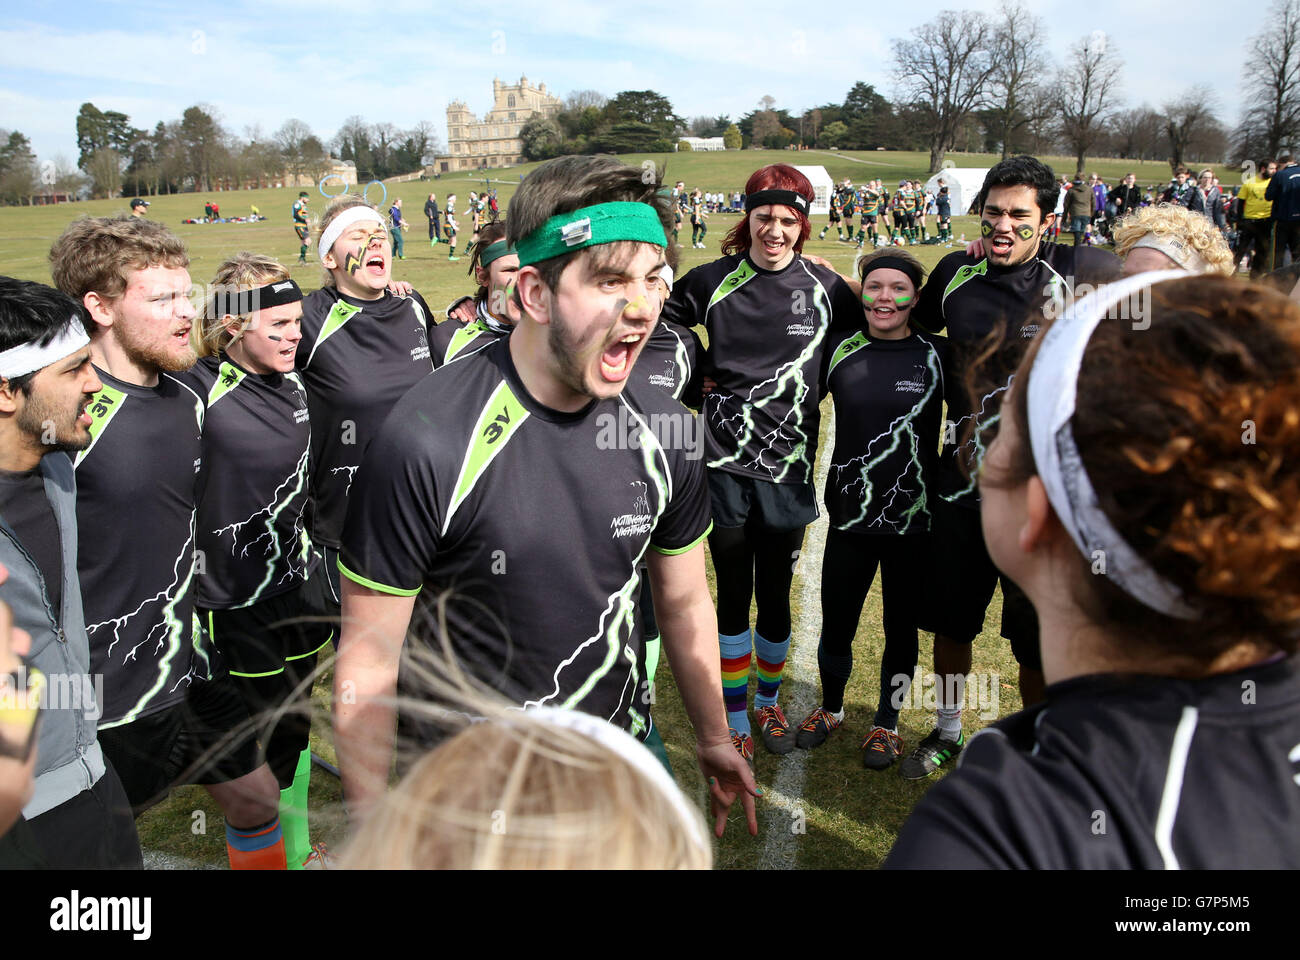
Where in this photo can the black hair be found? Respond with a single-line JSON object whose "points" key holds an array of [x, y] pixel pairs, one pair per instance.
{"points": [[1022, 171], [32, 313]]}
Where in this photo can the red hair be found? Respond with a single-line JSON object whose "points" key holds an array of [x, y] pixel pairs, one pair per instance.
{"points": [[775, 176]]}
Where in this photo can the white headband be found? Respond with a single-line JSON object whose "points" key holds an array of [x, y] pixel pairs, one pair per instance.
{"points": [[666, 274], [634, 752], [1176, 250], [340, 223], [29, 357], [1053, 390]]}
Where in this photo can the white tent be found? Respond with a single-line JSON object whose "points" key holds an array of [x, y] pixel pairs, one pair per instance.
{"points": [[963, 185], [822, 187]]}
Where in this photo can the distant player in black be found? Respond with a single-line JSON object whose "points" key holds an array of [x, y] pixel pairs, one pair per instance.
{"points": [[889, 385], [167, 718], [301, 225], [1159, 552], [523, 479], [1016, 282], [362, 348], [261, 593], [493, 265], [769, 313]]}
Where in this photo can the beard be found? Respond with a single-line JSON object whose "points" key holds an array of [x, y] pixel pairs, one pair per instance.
{"points": [[53, 429], [564, 348], [145, 353]]}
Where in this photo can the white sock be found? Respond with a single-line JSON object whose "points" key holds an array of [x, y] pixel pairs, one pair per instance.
{"points": [[949, 722]]}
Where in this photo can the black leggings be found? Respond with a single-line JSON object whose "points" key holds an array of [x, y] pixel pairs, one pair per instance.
{"points": [[743, 555], [848, 568]]}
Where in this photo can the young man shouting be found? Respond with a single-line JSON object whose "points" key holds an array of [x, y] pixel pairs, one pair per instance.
{"points": [[496, 477]]}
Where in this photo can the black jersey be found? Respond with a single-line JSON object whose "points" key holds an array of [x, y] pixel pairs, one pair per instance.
{"points": [[357, 358], [972, 299], [452, 339], [254, 486], [888, 411], [136, 487], [26, 508], [1117, 772], [767, 332], [535, 520], [669, 361]]}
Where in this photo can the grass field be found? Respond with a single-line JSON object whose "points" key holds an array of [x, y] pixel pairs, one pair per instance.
{"points": [[822, 809]]}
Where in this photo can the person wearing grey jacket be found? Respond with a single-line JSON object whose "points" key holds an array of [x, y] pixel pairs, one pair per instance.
{"points": [[78, 815]]}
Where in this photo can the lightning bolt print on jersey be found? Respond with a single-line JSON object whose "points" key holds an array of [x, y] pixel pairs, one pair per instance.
{"points": [[136, 487], [767, 336]]}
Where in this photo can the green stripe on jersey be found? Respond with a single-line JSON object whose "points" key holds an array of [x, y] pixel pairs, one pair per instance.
{"points": [[462, 338], [229, 376], [845, 350], [731, 282], [963, 274], [498, 421], [375, 584], [102, 409], [686, 549], [339, 314]]}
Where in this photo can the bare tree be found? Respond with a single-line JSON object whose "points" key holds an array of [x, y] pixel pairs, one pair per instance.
{"points": [[1185, 120], [580, 100], [1136, 134], [1271, 78], [1085, 93], [290, 141], [1018, 62], [944, 69]]}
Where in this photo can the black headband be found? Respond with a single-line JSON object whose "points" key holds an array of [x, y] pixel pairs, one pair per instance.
{"points": [[785, 197], [894, 263], [229, 299]]}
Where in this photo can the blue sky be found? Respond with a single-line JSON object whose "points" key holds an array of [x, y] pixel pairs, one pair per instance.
{"points": [[260, 63]]}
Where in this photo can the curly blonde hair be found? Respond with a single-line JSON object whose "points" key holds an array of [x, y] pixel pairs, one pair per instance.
{"points": [[1171, 220]]}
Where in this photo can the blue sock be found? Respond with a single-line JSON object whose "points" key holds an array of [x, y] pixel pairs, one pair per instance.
{"points": [[771, 664], [737, 651]]}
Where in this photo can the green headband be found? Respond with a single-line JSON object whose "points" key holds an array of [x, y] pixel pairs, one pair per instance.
{"points": [[494, 251], [589, 226]]}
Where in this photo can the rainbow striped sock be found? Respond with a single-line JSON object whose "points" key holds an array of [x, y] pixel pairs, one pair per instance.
{"points": [[771, 661], [737, 651]]}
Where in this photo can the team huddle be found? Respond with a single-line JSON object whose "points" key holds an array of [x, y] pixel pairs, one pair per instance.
{"points": [[494, 525]]}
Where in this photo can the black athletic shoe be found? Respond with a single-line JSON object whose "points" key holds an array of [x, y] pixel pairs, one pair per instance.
{"points": [[930, 754], [774, 729], [814, 730], [881, 748]]}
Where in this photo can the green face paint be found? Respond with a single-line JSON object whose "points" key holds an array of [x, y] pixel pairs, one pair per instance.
{"points": [[1025, 232], [901, 301], [986, 228], [868, 299]]}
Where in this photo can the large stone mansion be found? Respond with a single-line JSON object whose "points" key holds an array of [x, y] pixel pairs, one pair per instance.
{"points": [[494, 141]]}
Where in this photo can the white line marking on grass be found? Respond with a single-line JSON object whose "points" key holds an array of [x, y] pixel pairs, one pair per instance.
{"points": [[801, 682], [845, 156]]}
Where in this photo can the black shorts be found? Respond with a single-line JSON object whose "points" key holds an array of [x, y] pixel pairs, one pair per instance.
{"points": [[301, 231], [902, 219], [92, 831], [206, 739], [968, 577], [835, 216], [740, 501], [259, 640]]}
